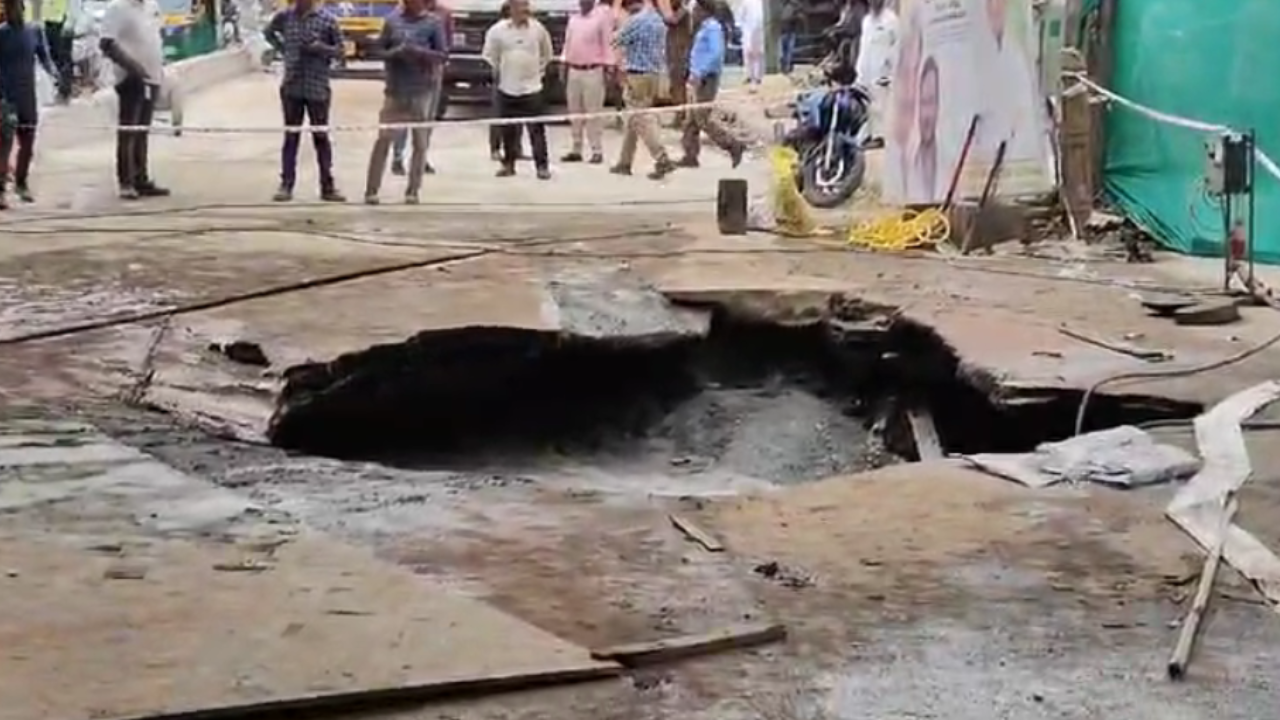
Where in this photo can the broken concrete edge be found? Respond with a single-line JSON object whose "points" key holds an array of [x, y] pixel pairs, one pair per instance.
{"points": [[681, 316], [63, 126], [1198, 506]]}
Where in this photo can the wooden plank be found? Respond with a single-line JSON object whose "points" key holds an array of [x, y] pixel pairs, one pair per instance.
{"points": [[696, 534], [392, 697], [928, 444], [1191, 625], [731, 638]]}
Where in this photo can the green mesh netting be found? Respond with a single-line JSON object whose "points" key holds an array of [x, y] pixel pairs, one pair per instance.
{"points": [[1211, 61]]}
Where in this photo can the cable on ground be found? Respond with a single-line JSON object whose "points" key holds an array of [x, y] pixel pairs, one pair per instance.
{"points": [[1169, 373]]}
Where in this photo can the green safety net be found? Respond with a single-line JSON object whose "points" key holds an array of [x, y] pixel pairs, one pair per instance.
{"points": [[1210, 61]]}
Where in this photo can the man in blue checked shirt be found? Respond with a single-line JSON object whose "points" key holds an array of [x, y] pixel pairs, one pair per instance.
{"points": [[643, 41], [706, 62]]}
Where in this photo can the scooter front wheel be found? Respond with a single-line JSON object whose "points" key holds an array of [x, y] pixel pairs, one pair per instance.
{"points": [[829, 185]]}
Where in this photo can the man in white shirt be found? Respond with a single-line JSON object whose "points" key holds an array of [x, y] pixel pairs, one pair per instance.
{"points": [[519, 49], [130, 37], [877, 53]]}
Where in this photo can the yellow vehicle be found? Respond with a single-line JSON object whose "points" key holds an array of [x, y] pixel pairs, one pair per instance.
{"points": [[361, 22]]}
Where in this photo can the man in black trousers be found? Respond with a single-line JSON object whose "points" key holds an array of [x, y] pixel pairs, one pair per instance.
{"points": [[495, 131], [309, 40], [519, 49], [131, 39]]}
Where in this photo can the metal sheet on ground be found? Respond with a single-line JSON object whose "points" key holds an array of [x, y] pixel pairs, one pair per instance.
{"points": [[321, 620], [163, 594]]}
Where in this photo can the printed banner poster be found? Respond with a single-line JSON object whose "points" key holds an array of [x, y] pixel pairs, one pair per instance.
{"points": [[958, 59]]}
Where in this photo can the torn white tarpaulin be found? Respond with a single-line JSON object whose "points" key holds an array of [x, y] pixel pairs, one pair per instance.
{"points": [[1198, 506], [1122, 457]]}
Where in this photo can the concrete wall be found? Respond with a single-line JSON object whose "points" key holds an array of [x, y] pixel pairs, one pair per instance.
{"points": [[84, 120]]}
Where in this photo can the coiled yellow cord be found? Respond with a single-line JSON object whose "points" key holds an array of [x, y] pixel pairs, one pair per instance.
{"points": [[902, 231], [790, 211], [897, 232]]}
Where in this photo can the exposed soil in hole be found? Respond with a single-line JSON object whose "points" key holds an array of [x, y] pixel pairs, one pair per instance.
{"points": [[750, 399]]}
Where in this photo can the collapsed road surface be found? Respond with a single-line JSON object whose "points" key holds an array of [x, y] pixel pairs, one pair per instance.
{"points": [[917, 589]]}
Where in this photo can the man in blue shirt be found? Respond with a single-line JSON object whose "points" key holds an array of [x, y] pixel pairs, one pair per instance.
{"points": [[433, 102], [706, 62], [21, 47], [643, 41], [414, 45]]}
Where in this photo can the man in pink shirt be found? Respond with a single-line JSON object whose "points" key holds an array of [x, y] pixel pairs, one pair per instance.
{"points": [[588, 56]]}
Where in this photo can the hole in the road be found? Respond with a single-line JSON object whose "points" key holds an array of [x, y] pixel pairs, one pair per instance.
{"points": [[765, 401]]}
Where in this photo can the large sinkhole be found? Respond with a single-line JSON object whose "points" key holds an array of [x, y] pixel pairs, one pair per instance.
{"points": [[764, 400]]}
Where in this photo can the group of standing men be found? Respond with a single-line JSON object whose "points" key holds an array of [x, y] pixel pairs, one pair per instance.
{"points": [[641, 45], [131, 39], [638, 44]]}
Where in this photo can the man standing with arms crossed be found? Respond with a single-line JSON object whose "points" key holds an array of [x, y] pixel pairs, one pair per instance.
{"points": [[706, 63], [643, 41], [414, 45], [588, 56], [130, 35], [519, 50], [310, 41]]}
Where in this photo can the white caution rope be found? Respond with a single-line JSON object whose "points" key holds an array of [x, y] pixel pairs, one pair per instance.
{"points": [[753, 99], [1169, 119]]}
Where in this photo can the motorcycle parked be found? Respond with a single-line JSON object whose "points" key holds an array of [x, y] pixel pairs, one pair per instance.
{"points": [[828, 140]]}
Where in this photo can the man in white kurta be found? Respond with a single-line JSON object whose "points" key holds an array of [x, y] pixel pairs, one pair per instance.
{"points": [[876, 56], [750, 17]]}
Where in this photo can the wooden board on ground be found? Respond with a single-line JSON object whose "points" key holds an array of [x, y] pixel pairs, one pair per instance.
{"points": [[731, 638], [323, 620], [696, 534]]}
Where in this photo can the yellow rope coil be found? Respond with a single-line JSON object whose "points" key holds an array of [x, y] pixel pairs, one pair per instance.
{"points": [[902, 231], [790, 211]]}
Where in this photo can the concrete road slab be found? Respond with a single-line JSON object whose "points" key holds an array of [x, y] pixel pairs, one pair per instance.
{"points": [[162, 594]]}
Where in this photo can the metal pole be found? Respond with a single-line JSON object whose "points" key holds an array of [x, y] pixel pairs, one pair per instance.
{"points": [[772, 63], [1251, 197]]}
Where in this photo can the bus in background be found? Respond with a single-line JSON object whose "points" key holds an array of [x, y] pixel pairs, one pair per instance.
{"points": [[361, 23]]}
